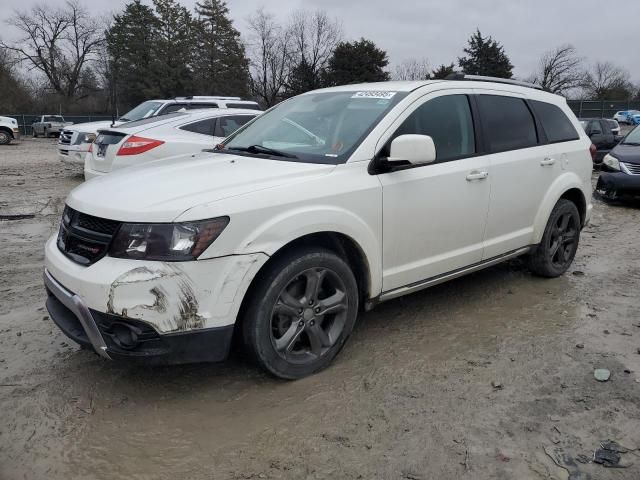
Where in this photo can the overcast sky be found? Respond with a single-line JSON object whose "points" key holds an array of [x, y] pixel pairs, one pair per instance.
{"points": [[438, 29]]}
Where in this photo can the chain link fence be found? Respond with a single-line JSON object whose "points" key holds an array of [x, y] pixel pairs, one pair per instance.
{"points": [[601, 108], [25, 120]]}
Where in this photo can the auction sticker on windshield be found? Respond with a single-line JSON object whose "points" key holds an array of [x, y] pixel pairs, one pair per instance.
{"points": [[374, 94]]}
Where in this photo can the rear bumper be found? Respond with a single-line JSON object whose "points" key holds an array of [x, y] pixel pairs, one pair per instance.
{"points": [[114, 337], [89, 174], [619, 182]]}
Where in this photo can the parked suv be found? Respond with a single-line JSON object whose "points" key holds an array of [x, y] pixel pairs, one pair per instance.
{"points": [[325, 205], [602, 135], [74, 142]]}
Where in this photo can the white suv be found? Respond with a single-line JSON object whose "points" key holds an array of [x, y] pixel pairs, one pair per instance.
{"points": [[325, 205], [74, 142]]}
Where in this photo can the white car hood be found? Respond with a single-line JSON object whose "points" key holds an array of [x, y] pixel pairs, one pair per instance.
{"points": [[92, 127], [162, 190]]}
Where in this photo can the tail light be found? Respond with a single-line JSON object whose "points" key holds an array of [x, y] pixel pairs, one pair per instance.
{"points": [[91, 147], [594, 151], [137, 145]]}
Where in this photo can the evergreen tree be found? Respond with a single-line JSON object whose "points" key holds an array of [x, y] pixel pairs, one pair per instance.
{"points": [[486, 57], [442, 72], [357, 62], [131, 43], [220, 63], [174, 49], [303, 78]]}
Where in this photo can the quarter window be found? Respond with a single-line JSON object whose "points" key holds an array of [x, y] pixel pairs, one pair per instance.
{"points": [[227, 125], [447, 120], [204, 127], [507, 123], [555, 123]]}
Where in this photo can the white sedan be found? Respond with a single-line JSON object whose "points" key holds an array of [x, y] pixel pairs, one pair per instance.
{"points": [[160, 137]]}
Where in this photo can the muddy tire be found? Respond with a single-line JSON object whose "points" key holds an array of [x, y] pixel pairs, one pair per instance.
{"points": [[555, 253], [5, 138], [300, 312]]}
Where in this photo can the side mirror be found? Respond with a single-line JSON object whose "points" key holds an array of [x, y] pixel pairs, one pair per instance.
{"points": [[415, 149]]}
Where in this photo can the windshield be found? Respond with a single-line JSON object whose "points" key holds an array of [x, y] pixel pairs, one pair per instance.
{"points": [[144, 110], [633, 138], [323, 127]]}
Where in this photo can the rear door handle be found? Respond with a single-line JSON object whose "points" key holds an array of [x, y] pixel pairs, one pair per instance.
{"points": [[476, 175], [547, 162]]}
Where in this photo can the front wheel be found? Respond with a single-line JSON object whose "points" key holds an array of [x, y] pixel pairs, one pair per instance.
{"points": [[555, 253], [300, 312], [5, 138]]}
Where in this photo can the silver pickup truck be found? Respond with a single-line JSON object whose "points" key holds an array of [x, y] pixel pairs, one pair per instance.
{"points": [[49, 125]]}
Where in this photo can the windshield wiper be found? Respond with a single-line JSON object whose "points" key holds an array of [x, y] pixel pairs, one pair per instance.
{"points": [[262, 149], [634, 144]]}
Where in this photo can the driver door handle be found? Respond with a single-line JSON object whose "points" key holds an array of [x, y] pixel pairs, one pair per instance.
{"points": [[547, 162], [477, 175]]}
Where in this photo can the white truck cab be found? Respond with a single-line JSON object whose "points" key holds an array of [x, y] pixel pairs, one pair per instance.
{"points": [[74, 142], [280, 237]]}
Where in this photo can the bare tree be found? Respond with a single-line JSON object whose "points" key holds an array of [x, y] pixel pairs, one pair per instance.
{"points": [[606, 81], [269, 50], [60, 43], [412, 69], [314, 36], [559, 70]]}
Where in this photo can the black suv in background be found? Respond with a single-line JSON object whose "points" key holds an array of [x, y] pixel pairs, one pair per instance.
{"points": [[604, 134]]}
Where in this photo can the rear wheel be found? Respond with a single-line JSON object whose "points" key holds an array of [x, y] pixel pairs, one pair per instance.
{"points": [[555, 253], [35, 134], [301, 312], [5, 138]]}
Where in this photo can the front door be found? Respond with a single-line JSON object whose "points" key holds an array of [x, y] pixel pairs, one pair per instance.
{"points": [[434, 215]]}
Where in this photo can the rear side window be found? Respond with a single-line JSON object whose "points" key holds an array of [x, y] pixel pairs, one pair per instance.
{"points": [[555, 123], [507, 123], [174, 107], [448, 121], [199, 106], [250, 106], [204, 127], [595, 128], [228, 125]]}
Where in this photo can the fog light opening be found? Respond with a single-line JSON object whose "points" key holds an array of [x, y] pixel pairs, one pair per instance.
{"points": [[125, 336]]}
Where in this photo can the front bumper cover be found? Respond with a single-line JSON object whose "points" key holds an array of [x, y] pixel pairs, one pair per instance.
{"points": [[100, 332], [619, 182]]}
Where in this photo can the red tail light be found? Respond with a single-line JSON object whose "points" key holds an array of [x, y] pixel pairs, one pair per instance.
{"points": [[91, 147], [594, 151], [137, 145]]}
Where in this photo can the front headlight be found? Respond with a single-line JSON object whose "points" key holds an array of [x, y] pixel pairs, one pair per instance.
{"points": [[611, 162], [172, 242], [85, 138]]}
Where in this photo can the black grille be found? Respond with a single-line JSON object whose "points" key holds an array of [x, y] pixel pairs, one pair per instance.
{"points": [[65, 137], [83, 238]]}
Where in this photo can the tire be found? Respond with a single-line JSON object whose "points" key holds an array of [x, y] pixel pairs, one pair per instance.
{"points": [[35, 134], [551, 259], [284, 326], [45, 133], [5, 138]]}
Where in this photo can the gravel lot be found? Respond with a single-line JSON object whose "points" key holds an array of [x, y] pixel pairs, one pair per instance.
{"points": [[410, 397]]}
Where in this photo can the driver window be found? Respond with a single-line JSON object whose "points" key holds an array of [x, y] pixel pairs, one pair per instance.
{"points": [[448, 121]]}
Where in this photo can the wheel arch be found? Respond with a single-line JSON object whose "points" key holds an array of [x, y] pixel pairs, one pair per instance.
{"points": [[568, 186]]}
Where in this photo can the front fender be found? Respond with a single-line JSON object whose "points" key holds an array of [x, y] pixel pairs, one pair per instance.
{"points": [[280, 230], [562, 184]]}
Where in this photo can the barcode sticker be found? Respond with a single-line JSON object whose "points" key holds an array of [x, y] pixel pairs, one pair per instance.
{"points": [[374, 94]]}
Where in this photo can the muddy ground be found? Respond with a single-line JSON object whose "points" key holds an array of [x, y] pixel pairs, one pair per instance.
{"points": [[410, 397]]}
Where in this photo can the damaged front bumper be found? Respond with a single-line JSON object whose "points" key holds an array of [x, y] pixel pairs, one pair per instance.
{"points": [[619, 183], [160, 312]]}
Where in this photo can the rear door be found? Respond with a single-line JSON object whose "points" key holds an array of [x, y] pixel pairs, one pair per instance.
{"points": [[521, 168]]}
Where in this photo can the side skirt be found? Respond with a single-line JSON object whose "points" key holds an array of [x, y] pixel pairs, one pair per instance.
{"points": [[430, 282]]}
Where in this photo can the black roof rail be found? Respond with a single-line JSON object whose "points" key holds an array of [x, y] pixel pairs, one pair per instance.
{"points": [[480, 78]]}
